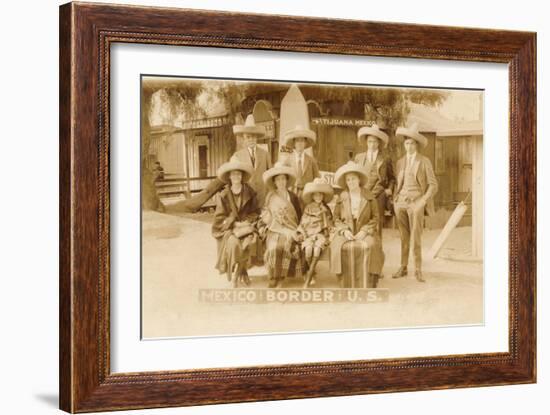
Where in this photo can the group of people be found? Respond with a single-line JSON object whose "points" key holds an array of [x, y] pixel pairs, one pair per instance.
{"points": [[280, 214]]}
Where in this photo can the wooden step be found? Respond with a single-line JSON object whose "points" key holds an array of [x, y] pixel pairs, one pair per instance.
{"points": [[182, 183]]}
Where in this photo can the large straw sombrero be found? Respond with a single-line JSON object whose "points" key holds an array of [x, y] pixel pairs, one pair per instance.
{"points": [[249, 127], [349, 167], [226, 168], [374, 131], [412, 132], [276, 170], [317, 186], [299, 131]]}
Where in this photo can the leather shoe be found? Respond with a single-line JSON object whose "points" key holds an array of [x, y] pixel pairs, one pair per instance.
{"points": [[235, 282], [245, 278], [373, 280], [418, 275], [401, 272]]}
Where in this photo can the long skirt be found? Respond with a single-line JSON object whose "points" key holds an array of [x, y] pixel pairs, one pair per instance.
{"points": [[234, 251], [283, 256], [357, 259]]}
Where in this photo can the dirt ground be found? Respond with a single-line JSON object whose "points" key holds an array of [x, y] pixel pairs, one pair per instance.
{"points": [[179, 254]]}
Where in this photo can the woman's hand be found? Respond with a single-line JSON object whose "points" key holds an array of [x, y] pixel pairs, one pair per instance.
{"points": [[228, 223], [360, 235], [348, 235], [266, 217], [297, 237]]}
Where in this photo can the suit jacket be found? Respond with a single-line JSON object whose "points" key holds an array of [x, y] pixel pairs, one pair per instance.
{"points": [[261, 164], [384, 167], [310, 169], [425, 177]]}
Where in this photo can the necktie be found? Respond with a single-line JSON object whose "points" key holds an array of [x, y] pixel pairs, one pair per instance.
{"points": [[299, 169], [253, 157], [409, 162]]}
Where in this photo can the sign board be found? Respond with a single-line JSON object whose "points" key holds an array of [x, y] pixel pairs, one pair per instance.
{"points": [[306, 295], [345, 122]]}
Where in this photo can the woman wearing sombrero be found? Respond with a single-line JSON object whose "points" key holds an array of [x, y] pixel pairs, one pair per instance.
{"points": [[378, 166], [234, 228], [279, 225], [356, 251]]}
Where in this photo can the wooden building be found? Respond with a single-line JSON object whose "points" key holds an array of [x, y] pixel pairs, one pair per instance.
{"points": [[191, 154], [456, 151]]}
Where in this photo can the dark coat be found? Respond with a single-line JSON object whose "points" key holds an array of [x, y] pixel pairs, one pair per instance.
{"points": [[310, 170], [368, 214], [367, 222], [384, 168], [232, 249], [227, 212]]}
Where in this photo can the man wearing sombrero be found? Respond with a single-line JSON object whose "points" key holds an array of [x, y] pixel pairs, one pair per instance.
{"points": [[380, 178], [416, 187], [256, 156], [299, 139]]}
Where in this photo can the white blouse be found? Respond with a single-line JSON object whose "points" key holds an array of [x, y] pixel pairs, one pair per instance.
{"points": [[355, 200]]}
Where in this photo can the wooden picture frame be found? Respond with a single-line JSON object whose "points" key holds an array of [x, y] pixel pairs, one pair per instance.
{"points": [[86, 33]]}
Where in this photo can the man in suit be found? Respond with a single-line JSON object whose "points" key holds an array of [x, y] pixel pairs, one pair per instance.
{"points": [[416, 187], [305, 166], [378, 167], [253, 154]]}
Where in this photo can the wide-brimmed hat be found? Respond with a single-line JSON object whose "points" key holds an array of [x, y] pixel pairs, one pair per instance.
{"points": [[317, 186], [231, 165], [412, 132], [349, 167], [249, 127], [299, 131], [374, 131], [278, 169]]}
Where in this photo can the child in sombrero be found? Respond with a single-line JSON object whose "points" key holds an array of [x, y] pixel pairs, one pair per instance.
{"points": [[315, 224]]}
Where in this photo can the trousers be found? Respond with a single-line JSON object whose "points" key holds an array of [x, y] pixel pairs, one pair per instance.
{"points": [[409, 215]]}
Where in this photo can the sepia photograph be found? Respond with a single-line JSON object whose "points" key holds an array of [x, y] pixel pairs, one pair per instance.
{"points": [[256, 205], [289, 207]]}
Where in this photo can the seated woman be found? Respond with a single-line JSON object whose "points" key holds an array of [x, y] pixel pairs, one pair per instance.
{"points": [[279, 226], [356, 254], [235, 218]]}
